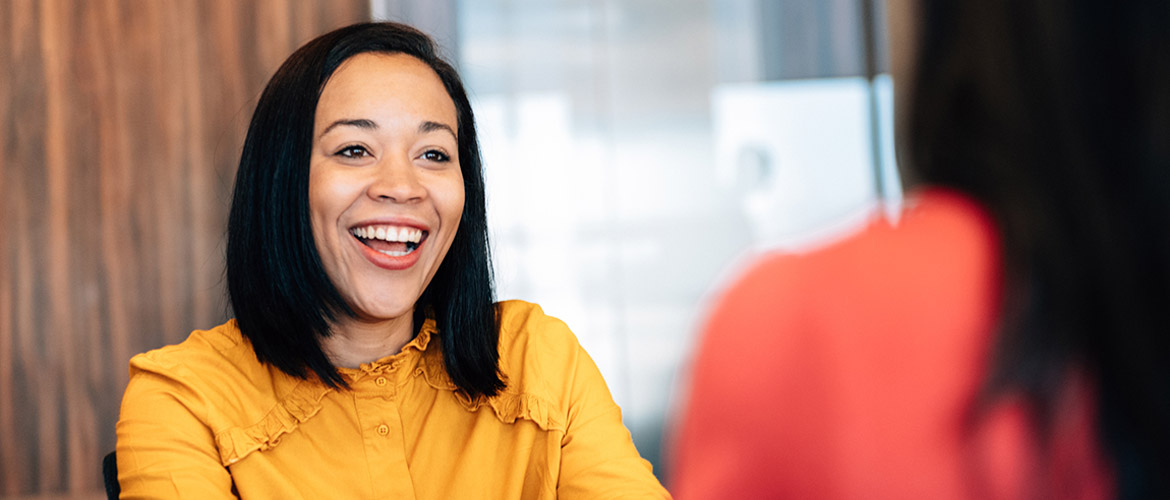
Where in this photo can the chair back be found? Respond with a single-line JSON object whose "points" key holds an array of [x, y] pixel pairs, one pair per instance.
{"points": [[110, 475]]}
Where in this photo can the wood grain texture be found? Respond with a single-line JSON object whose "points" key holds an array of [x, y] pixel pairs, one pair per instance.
{"points": [[121, 123]]}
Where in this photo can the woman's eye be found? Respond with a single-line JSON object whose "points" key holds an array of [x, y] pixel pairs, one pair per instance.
{"points": [[436, 155], [353, 152]]}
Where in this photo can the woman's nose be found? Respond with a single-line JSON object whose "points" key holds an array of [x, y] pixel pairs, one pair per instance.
{"points": [[396, 180]]}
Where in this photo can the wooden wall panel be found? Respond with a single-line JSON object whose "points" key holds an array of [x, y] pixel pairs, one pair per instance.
{"points": [[121, 123]]}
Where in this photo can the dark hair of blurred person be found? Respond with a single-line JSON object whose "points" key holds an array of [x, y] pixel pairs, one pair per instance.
{"points": [[1055, 117], [280, 294], [1007, 338]]}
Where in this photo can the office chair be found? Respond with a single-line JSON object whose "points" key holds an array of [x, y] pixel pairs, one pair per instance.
{"points": [[110, 475]]}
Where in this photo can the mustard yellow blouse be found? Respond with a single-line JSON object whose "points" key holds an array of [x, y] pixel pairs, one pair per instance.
{"points": [[204, 419]]}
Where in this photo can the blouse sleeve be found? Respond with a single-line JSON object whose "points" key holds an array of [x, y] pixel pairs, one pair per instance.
{"points": [[164, 449], [598, 456]]}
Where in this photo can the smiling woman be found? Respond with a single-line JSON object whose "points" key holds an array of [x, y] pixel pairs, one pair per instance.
{"points": [[368, 357], [384, 168]]}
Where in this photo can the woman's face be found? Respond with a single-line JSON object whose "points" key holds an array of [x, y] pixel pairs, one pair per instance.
{"points": [[385, 187]]}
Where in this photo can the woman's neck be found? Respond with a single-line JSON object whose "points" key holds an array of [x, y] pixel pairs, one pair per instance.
{"points": [[356, 341]]}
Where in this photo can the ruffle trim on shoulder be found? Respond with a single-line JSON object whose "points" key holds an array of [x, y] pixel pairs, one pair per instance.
{"points": [[300, 405], [509, 407]]}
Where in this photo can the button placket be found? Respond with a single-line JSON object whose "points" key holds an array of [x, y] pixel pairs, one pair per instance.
{"points": [[380, 423], [381, 379], [382, 433]]}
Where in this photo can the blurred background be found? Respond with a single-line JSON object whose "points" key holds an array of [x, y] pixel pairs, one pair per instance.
{"points": [[635, 152]]}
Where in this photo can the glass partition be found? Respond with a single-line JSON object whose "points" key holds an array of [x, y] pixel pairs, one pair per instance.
{"points": [[635, 151]]}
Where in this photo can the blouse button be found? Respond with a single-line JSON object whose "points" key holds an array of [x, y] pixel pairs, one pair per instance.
{"points": [[381, 381], [383, 430]]}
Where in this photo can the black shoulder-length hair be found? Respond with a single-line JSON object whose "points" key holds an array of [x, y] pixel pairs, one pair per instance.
{"points": [[1055, 115], [283, 300]]}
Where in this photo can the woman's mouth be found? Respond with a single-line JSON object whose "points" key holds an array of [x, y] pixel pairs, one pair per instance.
{"points": [[388, 239]]}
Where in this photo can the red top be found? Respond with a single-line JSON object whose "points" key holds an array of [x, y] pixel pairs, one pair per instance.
{"points": [[848, 373]]}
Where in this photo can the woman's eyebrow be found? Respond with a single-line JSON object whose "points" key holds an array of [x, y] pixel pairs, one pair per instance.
{"points": [[360, 123], [424, 127], [429, 126]]}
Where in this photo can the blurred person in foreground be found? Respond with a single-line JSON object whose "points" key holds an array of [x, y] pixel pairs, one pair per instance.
{"points": [[1009, 336], [367, 358]]}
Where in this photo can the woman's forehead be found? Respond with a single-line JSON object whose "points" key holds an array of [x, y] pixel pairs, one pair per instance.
{"points": [[383, 87]]}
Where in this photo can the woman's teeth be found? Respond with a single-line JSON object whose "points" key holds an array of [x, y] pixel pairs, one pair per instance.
{"points": [[374, 236], [392, 234]]}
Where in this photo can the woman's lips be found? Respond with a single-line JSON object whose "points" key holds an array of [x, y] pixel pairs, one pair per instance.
{"points": [[388, 245]]}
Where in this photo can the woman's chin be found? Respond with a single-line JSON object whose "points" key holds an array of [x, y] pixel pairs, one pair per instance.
{"points": [[382, 313]]}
